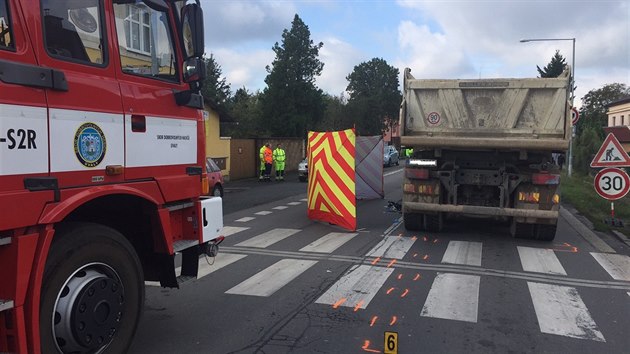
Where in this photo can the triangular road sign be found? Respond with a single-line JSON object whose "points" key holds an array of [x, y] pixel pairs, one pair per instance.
{"points": [[611, 154]]}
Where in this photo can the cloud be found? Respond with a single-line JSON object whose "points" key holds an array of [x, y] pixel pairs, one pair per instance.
{"points": [[339, 59], [244, 69], [230, 23]]}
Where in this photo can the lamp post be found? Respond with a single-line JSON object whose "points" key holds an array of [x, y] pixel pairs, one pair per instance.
{"points": [[570, 159]]}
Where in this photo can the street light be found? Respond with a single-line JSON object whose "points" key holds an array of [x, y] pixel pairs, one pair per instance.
{"points": [[570, 162]]}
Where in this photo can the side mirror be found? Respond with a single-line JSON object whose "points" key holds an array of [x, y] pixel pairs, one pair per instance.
{"points": [[192, 31], [194, 70]]}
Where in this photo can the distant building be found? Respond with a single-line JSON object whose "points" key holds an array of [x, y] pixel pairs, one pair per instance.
{"points": [[619, 121]]}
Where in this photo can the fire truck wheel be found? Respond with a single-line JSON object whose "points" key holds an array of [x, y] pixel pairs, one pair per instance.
{"points": [[92, 294], [413, 221]]}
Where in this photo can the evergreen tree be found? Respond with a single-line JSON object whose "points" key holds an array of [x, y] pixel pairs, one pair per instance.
{"points": [[215, 87], [245, 108], [374, 97], [291, 103], [555, 67]]}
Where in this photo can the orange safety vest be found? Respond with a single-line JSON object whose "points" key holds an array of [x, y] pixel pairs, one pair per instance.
{"points": [[268, 155]]}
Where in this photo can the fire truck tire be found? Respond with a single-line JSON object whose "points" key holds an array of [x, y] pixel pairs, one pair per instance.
{"points": [[217, 191], [434, 222], [413, 221], [521, 230], [544, 232], [92, 294]]}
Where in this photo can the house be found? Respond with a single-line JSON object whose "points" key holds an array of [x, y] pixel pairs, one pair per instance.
{"points": [[619, 121], [217, 147]]}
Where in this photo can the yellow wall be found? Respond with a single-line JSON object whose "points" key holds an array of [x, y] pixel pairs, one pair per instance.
{"points": [[216, 147], [618, 112]]}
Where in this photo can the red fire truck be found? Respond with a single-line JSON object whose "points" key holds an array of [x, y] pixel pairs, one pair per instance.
{"points": [[102, 150]]}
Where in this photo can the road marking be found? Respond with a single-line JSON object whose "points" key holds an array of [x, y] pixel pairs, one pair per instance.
{"points": [[220, 261], [453, 297], [392, 172], [540, 260], [268, 238], [392, 247], [245, 219], [231, 230], [304, 200], [328, 243], [270, 280], [617, 265], [463, 252], [561, 311], [263, 213], [294, 203], [358, 287], [280, 207]]}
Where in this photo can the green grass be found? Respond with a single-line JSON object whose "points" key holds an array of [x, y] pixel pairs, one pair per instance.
{"points": [[578, 191]]}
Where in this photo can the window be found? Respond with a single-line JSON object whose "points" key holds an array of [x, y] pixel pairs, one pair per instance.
{"points": [[138, 28], [72, 32], [622, 120], [145, 40], [6, 35]]}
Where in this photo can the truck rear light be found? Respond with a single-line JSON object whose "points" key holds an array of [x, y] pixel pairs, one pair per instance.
{"points": [[426, 189], [556, 199], [409, 188], [545, 178], [417, 173], [205, 186], [529, 197]]}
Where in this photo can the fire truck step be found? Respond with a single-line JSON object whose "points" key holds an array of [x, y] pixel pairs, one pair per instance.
{"points": [[5, 241], [185, 278], [6, 305], [181, 245]]}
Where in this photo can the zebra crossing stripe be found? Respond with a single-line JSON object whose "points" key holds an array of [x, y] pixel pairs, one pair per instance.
{"points": [[463, 252], [268, 238], [357, 287], [617, 265], [264, 212], [245, 219], [231, 230], [540, 260], [280, 207], [329, 243], [220, 261], [561, 311], [453, 297], [294, 203], [270, 280], [392, 247]]}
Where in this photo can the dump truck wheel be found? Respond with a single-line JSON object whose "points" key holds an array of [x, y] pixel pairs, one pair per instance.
{"points": [[92, 293], [521, 230], [545, 232], [434, 222], [413, 221]]}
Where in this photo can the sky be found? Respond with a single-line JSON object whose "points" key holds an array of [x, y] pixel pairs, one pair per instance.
{"points": [[437, 39]]}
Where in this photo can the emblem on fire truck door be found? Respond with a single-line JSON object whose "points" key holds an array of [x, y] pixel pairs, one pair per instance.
{"points": [[90, 144]]}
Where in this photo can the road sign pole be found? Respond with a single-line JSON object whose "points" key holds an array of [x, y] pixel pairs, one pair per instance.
{"points": [[570, 159], [612, 210]]}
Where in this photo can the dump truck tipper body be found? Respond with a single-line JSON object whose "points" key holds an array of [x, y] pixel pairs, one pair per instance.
{"points": [[485, 147]]}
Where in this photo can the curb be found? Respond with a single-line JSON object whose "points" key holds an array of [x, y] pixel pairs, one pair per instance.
{"points": [[585, 232], [623, 238]]}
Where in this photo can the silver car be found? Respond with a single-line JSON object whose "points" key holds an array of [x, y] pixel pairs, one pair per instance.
{"points": [[303, 170], [390, 156]]}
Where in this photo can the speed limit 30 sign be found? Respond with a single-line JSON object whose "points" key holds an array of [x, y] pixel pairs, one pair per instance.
{"points": [[612, 183]]}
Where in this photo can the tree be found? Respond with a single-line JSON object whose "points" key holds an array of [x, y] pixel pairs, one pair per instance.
{"points": [[594, 106], [555, 67], [374, 97], [335, 115], [215, 87], [586, 146], [245, 108], [292, 103]]}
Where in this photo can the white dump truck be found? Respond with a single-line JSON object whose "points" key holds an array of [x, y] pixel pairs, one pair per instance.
{"points": [[487, 148]]}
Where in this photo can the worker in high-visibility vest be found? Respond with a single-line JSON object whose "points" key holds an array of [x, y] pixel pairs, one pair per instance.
{"points": [[268, 158], [261, 153], [279, 157]]}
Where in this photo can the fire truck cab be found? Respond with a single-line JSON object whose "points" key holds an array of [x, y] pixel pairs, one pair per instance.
{"points": [[102, 177]]}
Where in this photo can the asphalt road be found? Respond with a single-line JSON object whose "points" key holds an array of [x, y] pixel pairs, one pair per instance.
{"points": [[285, 284]]}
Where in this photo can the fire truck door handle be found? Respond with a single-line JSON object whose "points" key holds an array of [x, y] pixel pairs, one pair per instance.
{"points": [[138, 123], [205, 219]]}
